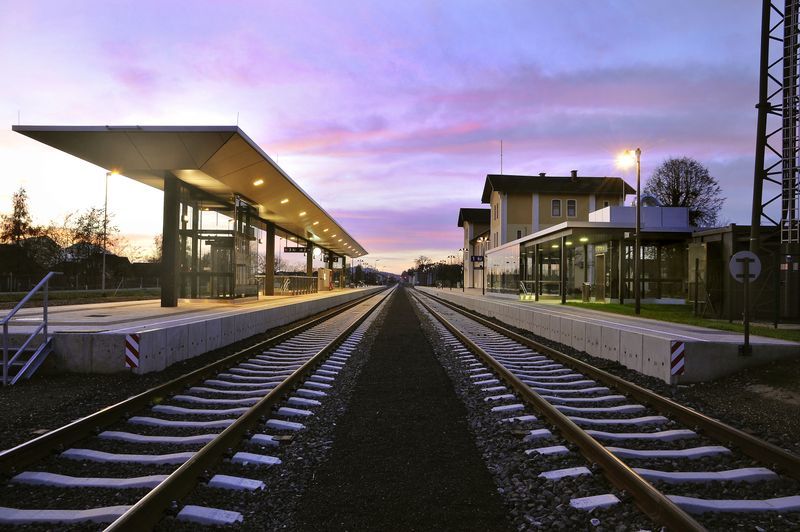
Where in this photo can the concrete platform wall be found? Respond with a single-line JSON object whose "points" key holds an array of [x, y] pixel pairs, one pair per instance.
{"points": [[643, 351], [104, 352]]}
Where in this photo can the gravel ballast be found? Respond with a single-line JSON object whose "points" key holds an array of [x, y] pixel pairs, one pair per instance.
{"points": [[46, 402], [534, 503], [778, 399], [403, 457]]}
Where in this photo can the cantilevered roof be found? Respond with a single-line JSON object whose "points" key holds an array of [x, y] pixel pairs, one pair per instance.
{"points": [[553, 185], [220, 160], [475, 216]]}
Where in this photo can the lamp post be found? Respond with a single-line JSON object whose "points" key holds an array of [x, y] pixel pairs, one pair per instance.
{"points": [[105, 230], [463, 268], [626, 159], [637, 260], [482, 242]]}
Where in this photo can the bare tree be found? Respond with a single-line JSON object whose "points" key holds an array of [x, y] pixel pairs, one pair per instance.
{"points": [[684, 182], [18, 225], [155, 255]]}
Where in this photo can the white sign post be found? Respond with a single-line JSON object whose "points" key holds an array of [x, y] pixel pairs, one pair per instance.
{"points": [[745, 267]]}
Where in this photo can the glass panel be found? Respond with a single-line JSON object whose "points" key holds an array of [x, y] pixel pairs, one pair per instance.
{"points": [[502, 270]]}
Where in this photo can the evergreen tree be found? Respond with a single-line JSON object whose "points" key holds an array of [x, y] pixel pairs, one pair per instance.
{"points": [[17, 226]]}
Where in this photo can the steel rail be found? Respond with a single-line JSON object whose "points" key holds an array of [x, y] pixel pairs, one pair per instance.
{"points": [[763, 451], [28, 452], [651, 501], [149, 509]]}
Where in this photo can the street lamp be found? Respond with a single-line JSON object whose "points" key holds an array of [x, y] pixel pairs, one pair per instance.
{"points": [[626, 160], [482, 241], [463, 269], [105, 229]]}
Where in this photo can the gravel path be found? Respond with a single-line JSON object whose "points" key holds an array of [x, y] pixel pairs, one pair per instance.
{"points": [[403, 457]]}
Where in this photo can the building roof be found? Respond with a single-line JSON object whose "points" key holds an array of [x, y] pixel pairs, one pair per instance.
{"points": [[219, 160], [474, 216], [553, 185]]}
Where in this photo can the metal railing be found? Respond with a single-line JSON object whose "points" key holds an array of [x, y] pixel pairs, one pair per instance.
{"points": [[41, 329], [295, 285]]}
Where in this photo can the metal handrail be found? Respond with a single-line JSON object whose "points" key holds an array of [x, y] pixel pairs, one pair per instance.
{"points": [[43, 285]]}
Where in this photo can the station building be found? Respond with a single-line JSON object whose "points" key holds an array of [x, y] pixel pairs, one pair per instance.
{"points": [[225, 204], [572, 238]]}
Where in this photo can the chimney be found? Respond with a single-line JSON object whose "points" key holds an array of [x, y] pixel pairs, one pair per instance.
{"points": [[542, 174], [573, 175]]}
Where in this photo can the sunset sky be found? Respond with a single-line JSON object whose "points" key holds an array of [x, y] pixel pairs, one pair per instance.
{"points": [[388, 113]]}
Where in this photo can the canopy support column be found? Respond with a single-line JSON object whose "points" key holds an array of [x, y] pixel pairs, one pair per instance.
{"points": [[169, 242], [269, 260], [562, 271]]}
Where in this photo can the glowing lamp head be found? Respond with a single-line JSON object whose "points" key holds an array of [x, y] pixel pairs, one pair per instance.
{"points": [[626, 159]]}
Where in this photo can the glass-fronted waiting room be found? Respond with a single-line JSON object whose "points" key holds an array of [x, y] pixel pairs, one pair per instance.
{"points": [[590, 265]]}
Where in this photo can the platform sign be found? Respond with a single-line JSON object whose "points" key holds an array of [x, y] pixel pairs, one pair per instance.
{"points": [[737, 266], [131, 351], [745, 268], [476, 258], [295, 249]]}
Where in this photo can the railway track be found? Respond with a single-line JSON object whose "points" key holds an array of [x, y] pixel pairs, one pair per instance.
{"points": [[127, 464], [680, 468]]}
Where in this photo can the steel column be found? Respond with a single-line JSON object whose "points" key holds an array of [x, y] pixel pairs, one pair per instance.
{"points": [[269, 259], [169, 242]]}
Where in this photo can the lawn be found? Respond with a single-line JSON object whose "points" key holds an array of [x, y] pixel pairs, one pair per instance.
{"points": [[79, 297], [684, 314]]}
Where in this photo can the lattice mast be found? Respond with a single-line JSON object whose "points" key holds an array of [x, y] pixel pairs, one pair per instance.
{"points": [[776, 196], [776, 161]]}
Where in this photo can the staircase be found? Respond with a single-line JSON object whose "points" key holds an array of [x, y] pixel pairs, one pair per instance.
{"points": [[23, 361]]}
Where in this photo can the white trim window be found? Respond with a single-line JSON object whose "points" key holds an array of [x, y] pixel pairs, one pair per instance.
{"points": [[572, 208], [555, 208]]}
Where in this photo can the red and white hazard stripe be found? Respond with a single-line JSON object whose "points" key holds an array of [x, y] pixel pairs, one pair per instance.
{"points": [[131, 350], [677, 359]]}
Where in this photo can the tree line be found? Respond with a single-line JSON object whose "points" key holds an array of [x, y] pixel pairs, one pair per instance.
{"points": [[73, 244], [430, 273]]}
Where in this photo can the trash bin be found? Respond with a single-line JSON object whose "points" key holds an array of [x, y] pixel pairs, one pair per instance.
{"points": [[586, 292]]}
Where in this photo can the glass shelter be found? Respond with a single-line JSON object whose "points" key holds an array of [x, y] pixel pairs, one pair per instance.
{"points": [[225, 201]]}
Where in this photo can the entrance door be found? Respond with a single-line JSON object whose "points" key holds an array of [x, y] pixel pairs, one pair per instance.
{"points": [[600, 277]]}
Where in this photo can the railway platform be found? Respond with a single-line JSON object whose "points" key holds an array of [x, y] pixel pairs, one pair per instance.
{"points": [[644, 345], [93, 338]]}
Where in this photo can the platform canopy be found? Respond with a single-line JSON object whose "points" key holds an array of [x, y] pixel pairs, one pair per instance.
{"points": [[219, 160]]}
